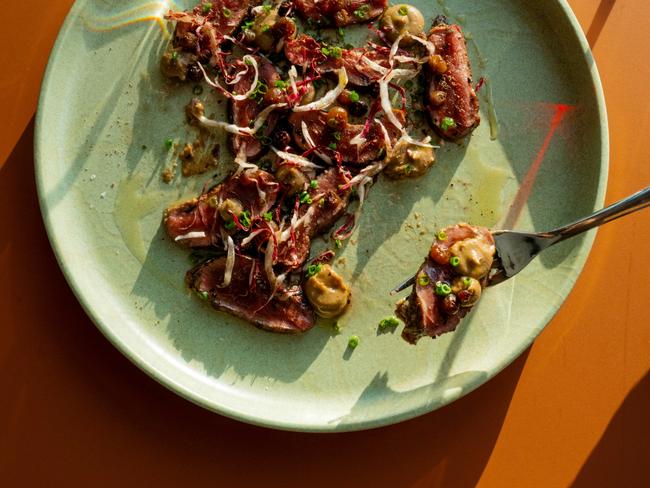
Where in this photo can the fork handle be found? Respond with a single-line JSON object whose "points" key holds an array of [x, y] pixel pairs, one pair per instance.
{"points": [[623, 207]]}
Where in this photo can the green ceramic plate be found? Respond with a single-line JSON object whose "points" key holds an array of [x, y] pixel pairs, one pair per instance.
{"points": [[104, 115]]}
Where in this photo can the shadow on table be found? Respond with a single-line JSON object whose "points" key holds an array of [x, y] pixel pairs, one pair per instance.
{"points": [[605, 8], [622, 456]]}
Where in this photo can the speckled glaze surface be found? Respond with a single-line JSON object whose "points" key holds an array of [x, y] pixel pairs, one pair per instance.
{"points": [[104, 114]]}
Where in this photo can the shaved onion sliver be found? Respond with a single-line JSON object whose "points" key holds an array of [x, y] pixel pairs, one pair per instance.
{"points": [[329, 98], [426, 43], [293, 74], [386, 105], [389, 146], [423, 143], [252, 236], [294, 158], [243, 131], [376, 66], [191, 235], [295, 223], [394, 47], [253, 62], [268, 262], [230, 262], [310, 142]]}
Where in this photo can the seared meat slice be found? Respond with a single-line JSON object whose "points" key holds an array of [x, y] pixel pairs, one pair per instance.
{"points": [[245, 112], [306, 51], [328, 204], [198, 222], [201, 31], [451, 98], [249, 295], [356, 154], [340, 12], [449, 282]]}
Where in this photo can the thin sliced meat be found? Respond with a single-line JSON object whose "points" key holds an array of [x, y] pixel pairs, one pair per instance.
{"points": [[244, 112], [451, 99], [255, 190], [306, 51], [356, 154], [201, 31], [340, 12], [328, 204], [421, 311], [249, 295]]}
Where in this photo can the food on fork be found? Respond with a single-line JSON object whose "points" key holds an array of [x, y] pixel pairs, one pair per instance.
{"points": [[449, 282]]}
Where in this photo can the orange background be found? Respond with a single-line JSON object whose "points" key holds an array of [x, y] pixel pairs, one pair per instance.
{"points": [[573, 410]]}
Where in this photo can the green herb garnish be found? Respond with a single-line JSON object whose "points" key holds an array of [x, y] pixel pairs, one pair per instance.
{"points": [[388, 322], [443, 289], [169, 143], [362, 12], [332, 146], [313, 184], [353, 342], [206, 8], [268, 216], [226, 12], [354, 96], [305, 198], [467, 281], [424, 280], [313, 269], [281, 84], [447, 123], [403, 10], [337, 243], [229, 225], [454, 261], [442, 235], [245, 218]]}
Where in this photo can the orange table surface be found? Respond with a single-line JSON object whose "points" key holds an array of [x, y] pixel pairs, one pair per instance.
{"points": [[573, 410]]}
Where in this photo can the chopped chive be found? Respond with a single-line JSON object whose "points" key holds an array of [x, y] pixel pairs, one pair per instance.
{"points": [[175, 56], [403, 10], [268, 216], [337, 243], [332, 146], [169, 143], [206, 8], [454, 261], [424, 280], [353, 342], [305, 198], [447, 123], [442, 235], [266, 8], [247, 25], [204, 295], [230, 225], [245, 218], [313, 269], [388, 322], [226, 12], [281, 84], [354, 96], [467, 281], [313, 184], [336, 327], [321, 202], [265, 27], [443, 289], [341, 32], [362, 12]]}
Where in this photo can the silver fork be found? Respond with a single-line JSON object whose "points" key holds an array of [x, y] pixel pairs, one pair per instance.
{"points": [[514, 250]]}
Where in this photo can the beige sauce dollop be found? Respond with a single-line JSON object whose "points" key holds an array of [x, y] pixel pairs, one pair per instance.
{"points": [[475, 255], [327, 292]]}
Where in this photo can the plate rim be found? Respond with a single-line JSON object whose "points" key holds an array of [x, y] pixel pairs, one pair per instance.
{"points": [[218, 407]]}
